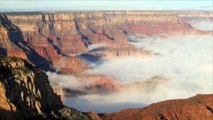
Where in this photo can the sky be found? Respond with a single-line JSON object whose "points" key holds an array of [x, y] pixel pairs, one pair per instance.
{"points": [[63, 5]]}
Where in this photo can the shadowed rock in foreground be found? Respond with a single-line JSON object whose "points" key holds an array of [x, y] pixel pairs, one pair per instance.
{"points": [[25, 93]]}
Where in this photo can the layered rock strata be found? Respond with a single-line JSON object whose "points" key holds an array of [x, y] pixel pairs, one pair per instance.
{"points": [[49, 40]]}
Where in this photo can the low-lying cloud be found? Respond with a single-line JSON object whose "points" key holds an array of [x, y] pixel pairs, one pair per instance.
{"points": [[201, 24], [67, 82], [182, 63]]}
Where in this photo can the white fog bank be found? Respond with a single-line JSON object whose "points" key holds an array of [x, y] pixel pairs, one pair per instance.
{"points": [[201, 24], [186, 63]]}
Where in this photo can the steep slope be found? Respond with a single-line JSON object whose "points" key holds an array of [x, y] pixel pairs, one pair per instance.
{"points": [[199, 107], [13, 36], [46, 56], [26, 94]]}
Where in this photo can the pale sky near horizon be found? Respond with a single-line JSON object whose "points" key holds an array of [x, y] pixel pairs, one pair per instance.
{"points": [[63, 5]]}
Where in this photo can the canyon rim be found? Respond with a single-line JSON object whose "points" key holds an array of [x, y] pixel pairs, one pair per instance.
{"points": [[103, 64]]}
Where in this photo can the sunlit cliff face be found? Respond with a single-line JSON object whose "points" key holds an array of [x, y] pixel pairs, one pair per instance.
{"points": [[180, 66]]}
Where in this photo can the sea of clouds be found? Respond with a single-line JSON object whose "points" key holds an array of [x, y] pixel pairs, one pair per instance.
{"points": [[184, 61]]}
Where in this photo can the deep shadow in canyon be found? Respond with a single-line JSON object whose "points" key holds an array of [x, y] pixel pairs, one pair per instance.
{"points": [[16, 37]]}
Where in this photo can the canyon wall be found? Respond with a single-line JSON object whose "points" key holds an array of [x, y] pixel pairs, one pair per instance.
{"points": [[60, 38]]}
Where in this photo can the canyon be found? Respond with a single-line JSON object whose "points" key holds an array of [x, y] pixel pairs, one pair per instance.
{"points": [[71, 42], [59, 38], [96, 58]]}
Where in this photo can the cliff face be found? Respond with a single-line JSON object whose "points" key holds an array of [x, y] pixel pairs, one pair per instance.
{"points": [[7, 46], [55, 38], [26, 94], [199, 107]]}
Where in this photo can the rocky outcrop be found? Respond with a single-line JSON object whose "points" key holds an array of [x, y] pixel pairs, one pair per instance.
{"points": [[27, 94], [199, 107], [100, 83]]}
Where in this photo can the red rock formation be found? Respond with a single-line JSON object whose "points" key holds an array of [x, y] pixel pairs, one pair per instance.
{"points": [[99, 82], [5, 41], [70, 65], [119, 52], [199, 107], [10, 48], [14, 53]]}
